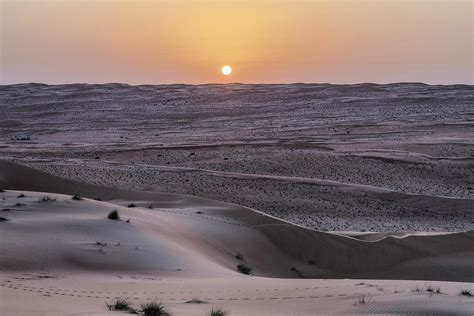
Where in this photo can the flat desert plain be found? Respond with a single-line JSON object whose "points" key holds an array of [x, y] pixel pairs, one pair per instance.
{"points": [[335, 199]]}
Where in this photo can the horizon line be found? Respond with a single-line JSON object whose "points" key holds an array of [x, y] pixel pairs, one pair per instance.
{"points": [[237, 83]]}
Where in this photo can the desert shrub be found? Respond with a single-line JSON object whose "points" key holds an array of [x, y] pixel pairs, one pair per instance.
{"points": [[131, 205], [21, 196], [2, 190], [217, 311], [120, 304], [114, 215], [362, 300], [245, 269], [154, 309], [466, 293], [18, 204], [47, 198], [3, 219], [76, 197]]}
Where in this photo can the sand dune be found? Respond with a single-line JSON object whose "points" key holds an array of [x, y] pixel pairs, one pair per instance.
{"points": [[214, 232]]}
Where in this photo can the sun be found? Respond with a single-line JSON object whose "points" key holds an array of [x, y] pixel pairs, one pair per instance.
{"points": [[226, 70]]}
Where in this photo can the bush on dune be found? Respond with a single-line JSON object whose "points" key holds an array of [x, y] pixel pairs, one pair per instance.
{"points": [[76, 197], [242, 268], [47, 198], [114, 215], [217, 311], [467, 293], [120, 304], [154, 309]]}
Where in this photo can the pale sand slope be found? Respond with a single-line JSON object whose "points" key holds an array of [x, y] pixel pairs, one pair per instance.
{"points": [[173, 253]]}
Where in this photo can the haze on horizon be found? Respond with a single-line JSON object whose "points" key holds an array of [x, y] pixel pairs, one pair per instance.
{"points": [[188, 41]]}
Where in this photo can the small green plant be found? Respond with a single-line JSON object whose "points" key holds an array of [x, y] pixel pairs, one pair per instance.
{"points": [[76, 197], [21, 196], [114, 215], [154, 309], [131, 205], [120, 304], [244, 269], [47, 198], [467, 293], [217, 311]]}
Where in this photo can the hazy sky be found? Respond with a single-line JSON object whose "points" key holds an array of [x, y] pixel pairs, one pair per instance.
{"points": [[263, 40]]}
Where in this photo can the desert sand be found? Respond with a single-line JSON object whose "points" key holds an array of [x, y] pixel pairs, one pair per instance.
{"points": [[341, 199]]}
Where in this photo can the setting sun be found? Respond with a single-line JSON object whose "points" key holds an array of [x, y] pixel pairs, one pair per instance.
{"points": [[226, 70]]}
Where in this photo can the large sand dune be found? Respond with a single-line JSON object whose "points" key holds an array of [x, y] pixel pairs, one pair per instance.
{"points": [[62, 253], [180, 227]]}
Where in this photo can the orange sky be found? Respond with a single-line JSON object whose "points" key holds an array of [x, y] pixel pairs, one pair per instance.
{"points": [[263, 40]]}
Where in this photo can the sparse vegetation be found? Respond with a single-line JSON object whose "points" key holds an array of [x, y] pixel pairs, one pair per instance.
{"points": [[467, 293], [150, 207], [47, 198], [2, 190], [114, 215], [362, 300], [18, 204], [217, 311], [131, 205], [244, 269], [239, 256], [3, 219], [101, 243], [76, 197], [154, 309], [21, 196], [120, 304]]}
